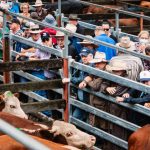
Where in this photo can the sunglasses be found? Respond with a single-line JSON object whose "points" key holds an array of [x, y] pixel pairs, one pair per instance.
{"points": [[106, 29], [35, 29]]}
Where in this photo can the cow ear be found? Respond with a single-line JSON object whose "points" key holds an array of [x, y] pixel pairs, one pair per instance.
{"points": [[2, 97], [68, 134], [16, 95]]}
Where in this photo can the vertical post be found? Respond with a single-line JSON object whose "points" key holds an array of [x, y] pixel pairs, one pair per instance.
{"points": [[6, 49], [59, 14], [141, 21], [66, 75], [117, 24]]}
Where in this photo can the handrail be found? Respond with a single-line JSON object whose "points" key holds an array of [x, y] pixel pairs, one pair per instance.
{"points": [[21, 137]]}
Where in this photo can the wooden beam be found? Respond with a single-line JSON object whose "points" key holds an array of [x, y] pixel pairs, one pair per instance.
{"points": [[45, 105], [29, 65], [31, 86]]}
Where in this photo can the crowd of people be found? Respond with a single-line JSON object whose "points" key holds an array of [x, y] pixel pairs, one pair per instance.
{"points": [[88, 53]]}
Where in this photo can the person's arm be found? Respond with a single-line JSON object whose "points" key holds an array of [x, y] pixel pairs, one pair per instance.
{"points": [[134, 100], [84, 83]]}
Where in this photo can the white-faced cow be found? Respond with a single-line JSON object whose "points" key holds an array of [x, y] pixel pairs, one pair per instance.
{"points": [[12, 105]]}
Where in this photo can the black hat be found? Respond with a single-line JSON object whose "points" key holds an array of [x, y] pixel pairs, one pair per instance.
{"points": [[45, 36], [15, 20], [85, 51]]}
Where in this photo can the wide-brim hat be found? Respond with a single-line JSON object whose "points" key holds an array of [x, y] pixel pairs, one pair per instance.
{"points": [[35, 29], [86, 42], [73, 17], [71, 27], [50, 20], [59, 34], [116, 66], [38, 3], [98, 58]]}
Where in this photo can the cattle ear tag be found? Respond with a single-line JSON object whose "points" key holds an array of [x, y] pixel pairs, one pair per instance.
{"points": [[9, 94]]}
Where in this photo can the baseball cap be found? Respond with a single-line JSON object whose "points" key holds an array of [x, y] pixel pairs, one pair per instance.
{"points": [[45, 36], [85, 52], [145, 76]]}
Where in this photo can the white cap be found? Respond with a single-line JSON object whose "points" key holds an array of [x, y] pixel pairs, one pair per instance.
{"points": [[145, 76]]}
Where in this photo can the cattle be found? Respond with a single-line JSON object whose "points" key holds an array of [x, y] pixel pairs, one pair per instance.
{"points": [[7, 143], [125, 22], [59, 131], [145, 4], [11, 104], [140, 139], [96, 10]]}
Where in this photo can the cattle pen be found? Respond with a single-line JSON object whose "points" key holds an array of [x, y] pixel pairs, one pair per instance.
{"points": [[65, 62]]}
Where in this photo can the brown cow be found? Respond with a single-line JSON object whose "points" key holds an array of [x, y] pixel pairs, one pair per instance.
{"points": [[125, 22], [60, 131], [140, 139], [96, 10], [7, 143], [145, 4]]}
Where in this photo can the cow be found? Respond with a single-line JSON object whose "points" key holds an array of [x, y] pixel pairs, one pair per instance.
{"points": [[97, 10], [140, 139], [58, 131], [7, 143], [145, 4], [125, 22], [11, 104]]}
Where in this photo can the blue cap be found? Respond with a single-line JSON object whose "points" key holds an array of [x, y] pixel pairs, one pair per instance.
{"points": [[85, 52]]}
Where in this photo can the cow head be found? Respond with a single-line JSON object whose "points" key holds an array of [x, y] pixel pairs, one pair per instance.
{"points": [[73, 136], [12, 105]]}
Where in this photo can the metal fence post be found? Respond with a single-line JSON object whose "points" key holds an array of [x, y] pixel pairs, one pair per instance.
{"points": [[59, 14], [117, 24], [66, 75], [6, 49]]}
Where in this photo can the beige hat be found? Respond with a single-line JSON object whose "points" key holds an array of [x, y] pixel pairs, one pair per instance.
{"points": [[59, 34], [126, 43], [35, 29], [99, 57], [70, 27], [86, 42], [117, 65], [38, 3]]}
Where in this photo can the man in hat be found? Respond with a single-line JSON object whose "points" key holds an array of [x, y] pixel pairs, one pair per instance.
{"points": [[61, 44], [73, 19], [77, 77], [16, 30], [40, 13]]}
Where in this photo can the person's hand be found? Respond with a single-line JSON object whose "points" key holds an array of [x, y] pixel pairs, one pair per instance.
{"points": [[82, 85], [65, 80], [23, 51], [119, 99], [111, 90], [147, 105], [126, 95]]}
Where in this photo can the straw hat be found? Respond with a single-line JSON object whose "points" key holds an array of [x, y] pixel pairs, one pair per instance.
{"points": [[99, 57], [38, 3], [117, 65], [126, 43], [35, 29], [59, 34], [73, 17], [71, 27], [86, 42]]}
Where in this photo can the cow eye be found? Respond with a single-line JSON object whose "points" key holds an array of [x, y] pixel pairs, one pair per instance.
{"points": [[12, 106]]}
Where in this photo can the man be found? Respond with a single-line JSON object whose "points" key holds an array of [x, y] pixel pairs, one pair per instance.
{"points": [[101, 36], [15, 28], [77, 77], [73, 19], [106, 28], [40, 13]]}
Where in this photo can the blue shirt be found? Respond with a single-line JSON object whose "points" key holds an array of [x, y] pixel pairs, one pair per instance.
{"points": [[107, 50], [14, 8]]}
